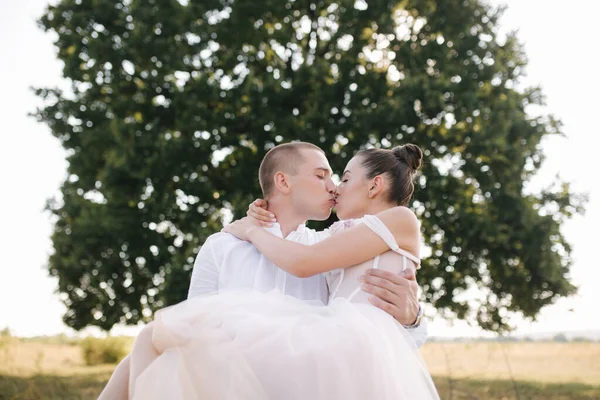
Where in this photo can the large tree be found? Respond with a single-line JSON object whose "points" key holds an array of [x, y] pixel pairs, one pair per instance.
{"points": [[173, 105]]}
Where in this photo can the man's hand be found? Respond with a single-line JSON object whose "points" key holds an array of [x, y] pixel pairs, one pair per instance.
{"points": [[395, 294]]}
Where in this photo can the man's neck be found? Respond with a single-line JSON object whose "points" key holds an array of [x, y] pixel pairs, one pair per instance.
{"points": [[287, 218]]}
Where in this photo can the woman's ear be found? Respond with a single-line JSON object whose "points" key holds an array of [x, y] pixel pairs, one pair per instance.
{"points": [[282, 183], [376, 186]]}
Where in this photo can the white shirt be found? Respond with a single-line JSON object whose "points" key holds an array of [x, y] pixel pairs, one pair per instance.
{"points": [[225, 262]]}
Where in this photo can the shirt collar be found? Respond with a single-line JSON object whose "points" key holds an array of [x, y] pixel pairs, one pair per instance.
{"points": [[276, 230]]}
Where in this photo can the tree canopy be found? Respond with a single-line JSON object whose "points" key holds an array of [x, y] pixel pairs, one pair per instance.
{"points": [[174, 103]]}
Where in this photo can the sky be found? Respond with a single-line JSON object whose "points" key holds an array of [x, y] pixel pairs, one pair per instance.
{"points": [[558, 40]]}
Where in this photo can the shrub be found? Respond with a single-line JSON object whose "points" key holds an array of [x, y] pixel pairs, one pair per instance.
{"points": [[104, 351]]}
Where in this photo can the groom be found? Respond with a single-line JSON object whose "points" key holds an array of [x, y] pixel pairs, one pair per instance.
{"points": [[225, 262], [306, 192]]}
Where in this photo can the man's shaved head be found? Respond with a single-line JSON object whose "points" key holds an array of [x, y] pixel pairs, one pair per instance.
{"points": [[286, 158]]}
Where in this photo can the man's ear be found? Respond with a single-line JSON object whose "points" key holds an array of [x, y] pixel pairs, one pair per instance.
{"points": [[376, 186], [282, 182]]}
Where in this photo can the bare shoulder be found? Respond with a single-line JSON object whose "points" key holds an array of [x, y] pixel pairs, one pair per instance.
{"points": [[399, 215], [401, 221]]}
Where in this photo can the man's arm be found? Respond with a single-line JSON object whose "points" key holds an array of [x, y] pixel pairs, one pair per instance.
{"points": [[419, 334], [395, 294], [205, 276]]}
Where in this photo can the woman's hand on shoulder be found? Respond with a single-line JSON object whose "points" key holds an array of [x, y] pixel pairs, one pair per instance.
{"points": [[242, 228]]}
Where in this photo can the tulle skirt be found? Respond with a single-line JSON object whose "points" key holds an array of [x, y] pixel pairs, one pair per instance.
{"points": [[251, 345]]}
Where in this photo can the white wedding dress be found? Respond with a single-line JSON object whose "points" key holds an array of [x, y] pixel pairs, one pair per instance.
{"points": [[247, 345]]}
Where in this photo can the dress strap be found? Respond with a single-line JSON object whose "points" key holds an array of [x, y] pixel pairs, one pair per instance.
{"points": [[337, 287], [375, 224]]}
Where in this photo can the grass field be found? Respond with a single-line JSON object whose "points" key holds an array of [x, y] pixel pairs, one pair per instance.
{"points": [[478, 370], [515, 370]]}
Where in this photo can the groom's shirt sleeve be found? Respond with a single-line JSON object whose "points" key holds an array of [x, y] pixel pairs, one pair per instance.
{"points": [[419, 334], [205, 275]]}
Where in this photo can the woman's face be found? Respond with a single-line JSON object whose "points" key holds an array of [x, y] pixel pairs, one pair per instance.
{"points": [[353, 191]]}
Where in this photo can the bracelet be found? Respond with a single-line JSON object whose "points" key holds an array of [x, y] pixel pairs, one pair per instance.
{"points": [[418, 320]]}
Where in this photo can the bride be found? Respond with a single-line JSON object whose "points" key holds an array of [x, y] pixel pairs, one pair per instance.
{"points": [[250, 345]]}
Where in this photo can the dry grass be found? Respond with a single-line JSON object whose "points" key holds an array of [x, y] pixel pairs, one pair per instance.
{"points": [[38, 370], [545, 362], [462, 371], [21, 358]]}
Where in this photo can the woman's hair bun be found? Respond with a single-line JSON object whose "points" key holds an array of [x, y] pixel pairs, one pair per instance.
{"points": [[409, 154]]}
